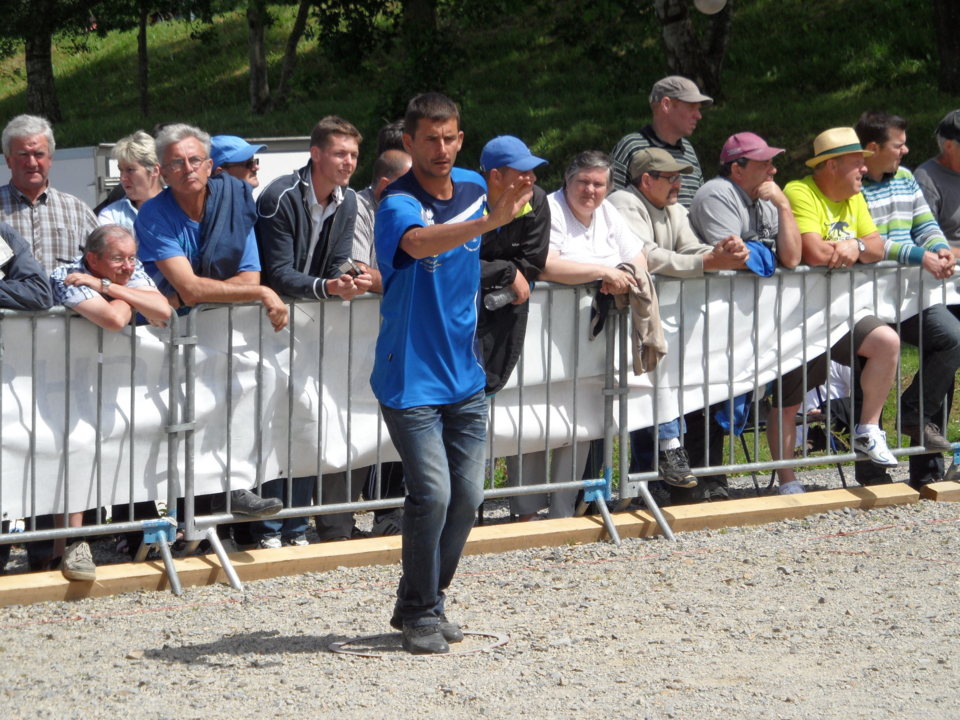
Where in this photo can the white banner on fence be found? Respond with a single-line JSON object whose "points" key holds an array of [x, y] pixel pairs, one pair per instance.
{"points": [[268, 403]]}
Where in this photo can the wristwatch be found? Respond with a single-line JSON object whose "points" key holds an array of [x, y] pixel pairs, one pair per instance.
{"points": [[105, 286], [861, 245]]}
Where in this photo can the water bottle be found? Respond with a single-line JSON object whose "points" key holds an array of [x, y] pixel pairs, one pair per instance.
{"points": [[496, 299]]}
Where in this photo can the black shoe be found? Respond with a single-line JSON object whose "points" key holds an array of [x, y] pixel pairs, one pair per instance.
{"points": [[451, 631], [675, 468], [244, 502], [930, 438], [424, 639]]}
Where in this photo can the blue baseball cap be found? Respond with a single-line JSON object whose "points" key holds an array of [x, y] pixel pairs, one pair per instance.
{"points": [[761, 259], [231, 149], [508, 151]]}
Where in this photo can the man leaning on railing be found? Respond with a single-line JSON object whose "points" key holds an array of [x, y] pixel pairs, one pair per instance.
{"points": [[911, 236], [107, 285], [836, 231]]}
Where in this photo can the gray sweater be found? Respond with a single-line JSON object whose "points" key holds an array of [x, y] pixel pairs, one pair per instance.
{"points": [[671, 246]]}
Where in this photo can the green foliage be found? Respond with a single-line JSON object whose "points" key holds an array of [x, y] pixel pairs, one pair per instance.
{"points": [[564, 76]]}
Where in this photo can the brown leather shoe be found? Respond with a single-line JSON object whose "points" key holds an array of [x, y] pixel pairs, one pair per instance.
{"points": [[930, 438]]}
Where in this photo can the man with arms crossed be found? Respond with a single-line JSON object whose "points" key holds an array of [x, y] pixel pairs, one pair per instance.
{"points": [[426, 374], [939, 178]]}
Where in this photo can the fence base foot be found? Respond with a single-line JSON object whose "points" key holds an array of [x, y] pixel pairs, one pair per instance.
{"points": [[225, 563], [655, 510], [608, 522]]}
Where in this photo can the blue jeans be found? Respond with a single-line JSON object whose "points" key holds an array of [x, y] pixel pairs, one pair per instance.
{"points": [[288, 528], [443, 449]]}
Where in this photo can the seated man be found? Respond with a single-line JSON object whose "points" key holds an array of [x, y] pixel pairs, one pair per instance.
{"points": [[744, 201], [939, 178], [651, 209], [836, 230], [107, 285], [174, 231], [235, 156], [911, 236], [588, 240]]}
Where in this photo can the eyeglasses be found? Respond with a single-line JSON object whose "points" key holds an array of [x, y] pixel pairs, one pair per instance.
{"points": [[122, 260], [179, 164], [251, 164], [673, 178]]}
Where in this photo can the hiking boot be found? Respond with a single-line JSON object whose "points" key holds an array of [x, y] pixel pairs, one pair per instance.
{"points": [[424, 639], [244, 502], [675, 468], [930, 437], [873, 444], [77, 563]]}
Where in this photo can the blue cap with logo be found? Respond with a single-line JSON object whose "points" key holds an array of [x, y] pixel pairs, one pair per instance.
{"points": [[508, 151], [231, 149]]}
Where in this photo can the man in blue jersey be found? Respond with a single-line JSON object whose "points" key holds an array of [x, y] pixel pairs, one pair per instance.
{"points": [[426, 373]]}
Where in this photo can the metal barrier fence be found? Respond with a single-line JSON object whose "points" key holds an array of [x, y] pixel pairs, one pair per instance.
{"points": [[219, 402]]}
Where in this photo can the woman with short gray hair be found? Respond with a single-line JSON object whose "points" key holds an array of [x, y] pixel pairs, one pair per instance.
{"points": [[136, 158]]}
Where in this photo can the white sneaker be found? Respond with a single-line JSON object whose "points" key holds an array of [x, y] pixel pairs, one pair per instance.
{"points": [[271, 542], [794, 487], [297, 541], [873, 444]]}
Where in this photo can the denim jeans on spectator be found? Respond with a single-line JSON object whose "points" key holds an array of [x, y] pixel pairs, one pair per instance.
{"points": [[940, 332], [288, 528], [641, 443], [442, 448]]}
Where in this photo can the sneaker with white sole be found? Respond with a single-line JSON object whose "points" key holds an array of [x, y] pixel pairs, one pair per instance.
{"points": [[873, 444], [77, 563], [296, 541], [794, 487], [270, 542]]}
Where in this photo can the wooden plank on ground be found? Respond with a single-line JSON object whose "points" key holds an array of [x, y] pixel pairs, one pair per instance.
{"points": [[258, 564], [941, 491]]}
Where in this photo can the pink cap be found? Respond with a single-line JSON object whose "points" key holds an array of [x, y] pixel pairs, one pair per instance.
{"points": [[747, 145]]}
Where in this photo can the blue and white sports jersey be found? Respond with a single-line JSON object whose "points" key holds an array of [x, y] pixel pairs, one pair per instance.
{"points": [[426, 351]]}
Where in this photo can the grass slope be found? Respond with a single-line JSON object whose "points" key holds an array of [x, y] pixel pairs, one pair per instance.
{"points": [[563, 76]]}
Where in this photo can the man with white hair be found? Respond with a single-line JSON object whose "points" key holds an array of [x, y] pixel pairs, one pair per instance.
{"points": [[53, 223], [174, 231], [675, 103]]}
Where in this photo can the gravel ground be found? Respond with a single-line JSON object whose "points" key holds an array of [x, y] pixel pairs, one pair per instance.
{"points": [[848, 614]]}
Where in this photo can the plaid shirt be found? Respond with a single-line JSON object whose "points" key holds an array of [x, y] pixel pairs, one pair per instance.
{"points": [[55, 226]]}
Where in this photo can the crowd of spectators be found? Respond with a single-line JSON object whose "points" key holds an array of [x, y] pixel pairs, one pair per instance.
{"points": [[184, 229]]}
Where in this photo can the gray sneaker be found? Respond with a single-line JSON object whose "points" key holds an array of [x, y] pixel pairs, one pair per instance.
{"points": [[424, 639], [77, 563]]}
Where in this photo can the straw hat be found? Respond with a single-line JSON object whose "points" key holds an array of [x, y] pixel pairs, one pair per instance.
{"points": [[833, 142]]}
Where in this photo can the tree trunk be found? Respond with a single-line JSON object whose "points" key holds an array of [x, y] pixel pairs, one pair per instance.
{"points": [[946, 15], [290, 53], [142, 65], [687, 54], [41, 91], [259, 81]]}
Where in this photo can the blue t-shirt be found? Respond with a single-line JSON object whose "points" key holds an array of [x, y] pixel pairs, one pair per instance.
{"points": [[164, 231], [426, 353]]}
